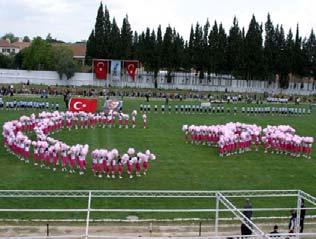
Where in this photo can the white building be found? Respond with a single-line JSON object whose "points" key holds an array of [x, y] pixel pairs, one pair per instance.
{"points": [[7, 48]]}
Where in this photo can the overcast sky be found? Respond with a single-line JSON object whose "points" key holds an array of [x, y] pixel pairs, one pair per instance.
{"points": [[73, 20]]}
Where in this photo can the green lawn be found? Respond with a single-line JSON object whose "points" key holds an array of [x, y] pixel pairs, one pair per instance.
{"points": [[179, 166]]}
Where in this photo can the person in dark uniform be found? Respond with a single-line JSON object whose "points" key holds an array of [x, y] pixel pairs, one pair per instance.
{"points": [[245, 230], [293, 221], [248, 213], [302, 216], [248, 209], [275, 231]]}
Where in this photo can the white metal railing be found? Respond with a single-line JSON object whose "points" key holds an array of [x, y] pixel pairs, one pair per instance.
{"points": [[222, 197]]}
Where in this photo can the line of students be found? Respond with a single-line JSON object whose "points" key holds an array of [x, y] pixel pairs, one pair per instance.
{"points": [[220, 109]]}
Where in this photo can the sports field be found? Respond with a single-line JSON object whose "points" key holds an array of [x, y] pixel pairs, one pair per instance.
{"points": [[179, 166]]}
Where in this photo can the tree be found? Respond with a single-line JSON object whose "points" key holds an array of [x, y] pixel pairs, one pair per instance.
{"points": [[18, 59], [26, 39], [222, 50], [6, 62], [126, 39], [254, 51], [198, 50], [107, 33], [281, 65], [166, 49], [64, 63], [177, 51], [49, 38], [298, 54], [269, 49], [99, 34], [11, 37], [190, 49], [204, 54], [90, 52], [289, 53], [158, 51], [235, 50], [39, 56], [213, 49], [309, 49], [114, 40]]}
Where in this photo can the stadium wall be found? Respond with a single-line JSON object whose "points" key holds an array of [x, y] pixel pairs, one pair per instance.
{"points": [[185, 81]]}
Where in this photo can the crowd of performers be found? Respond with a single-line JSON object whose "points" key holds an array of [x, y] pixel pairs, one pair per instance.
{"points": [[234, 138], [110, 163], [50, 153]]}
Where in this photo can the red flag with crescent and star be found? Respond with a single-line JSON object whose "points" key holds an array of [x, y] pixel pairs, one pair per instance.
{"points": [[83, 104], [100, 69], [131, 67]]}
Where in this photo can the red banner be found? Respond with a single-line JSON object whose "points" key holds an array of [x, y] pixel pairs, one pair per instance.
{"points": [[83, 104], [130, 67], [100, 69]]}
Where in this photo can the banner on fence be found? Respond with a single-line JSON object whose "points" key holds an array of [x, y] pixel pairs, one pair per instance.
{"points": [[116, 70]]}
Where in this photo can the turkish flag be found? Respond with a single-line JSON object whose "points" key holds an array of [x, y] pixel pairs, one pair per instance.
{"points": [[100, 69], [131, 67], [83, 104]]}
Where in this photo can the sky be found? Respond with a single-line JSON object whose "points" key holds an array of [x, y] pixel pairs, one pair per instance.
{"points": [[73, 20]]}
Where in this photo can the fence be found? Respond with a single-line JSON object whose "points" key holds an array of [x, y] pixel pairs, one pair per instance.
{"points": [[221, 198]]}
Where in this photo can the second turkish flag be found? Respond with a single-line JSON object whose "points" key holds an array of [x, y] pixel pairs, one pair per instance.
{"points": [[100, 69], [131, 67]]}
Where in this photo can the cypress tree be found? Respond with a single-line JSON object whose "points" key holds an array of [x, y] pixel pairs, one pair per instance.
{"points": [[309, 47], [234, 49], [99, 32], [298, 54], [166, 49], [114, 46], [213, 46], [107, 41], [198, 50], [90, 52], [254, 53], [269, 49], [191, 48], [222, 50], [126, 39]]}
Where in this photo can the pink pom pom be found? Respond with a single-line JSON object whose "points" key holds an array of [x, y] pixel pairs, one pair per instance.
{"points": [[131, 151]]}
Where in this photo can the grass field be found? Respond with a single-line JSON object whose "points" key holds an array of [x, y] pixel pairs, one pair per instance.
{"points": [[179, 166]]}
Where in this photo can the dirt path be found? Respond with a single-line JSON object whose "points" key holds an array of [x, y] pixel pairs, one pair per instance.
{"points": [[121, 230]]}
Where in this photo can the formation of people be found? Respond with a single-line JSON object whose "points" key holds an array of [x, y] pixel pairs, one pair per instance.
{"points": [[234, 138], [220, 109], [109, 163], [47, 152], [18, 104]]}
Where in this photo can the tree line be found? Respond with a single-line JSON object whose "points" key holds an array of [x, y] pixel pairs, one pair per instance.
{"points": [[260, 53]]}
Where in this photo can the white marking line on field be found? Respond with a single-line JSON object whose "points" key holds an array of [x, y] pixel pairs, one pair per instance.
{"points": [[145, 220], [142, 209]]}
